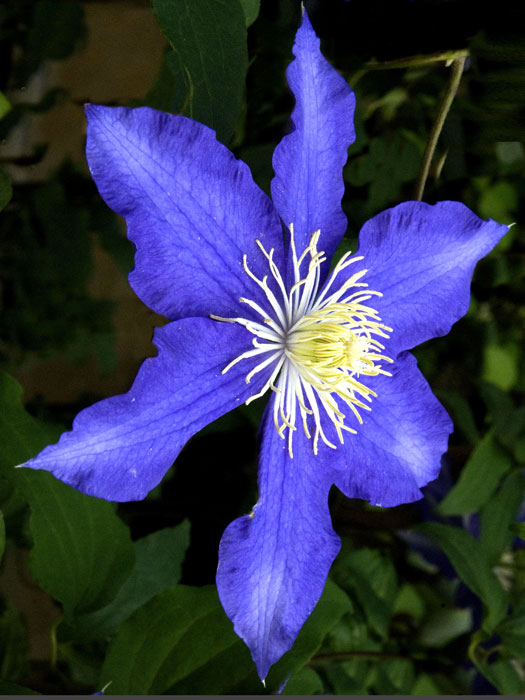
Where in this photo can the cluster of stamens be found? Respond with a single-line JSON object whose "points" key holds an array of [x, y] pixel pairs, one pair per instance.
{"points": [[319, 345]]}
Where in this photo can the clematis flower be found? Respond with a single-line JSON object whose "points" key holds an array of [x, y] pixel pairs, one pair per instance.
{"points": [[255, 310]]}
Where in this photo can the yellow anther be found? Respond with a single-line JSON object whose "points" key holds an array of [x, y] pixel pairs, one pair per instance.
{"points": [[318, 344]]}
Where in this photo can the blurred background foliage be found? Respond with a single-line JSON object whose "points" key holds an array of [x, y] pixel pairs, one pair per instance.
{"points": [[426, 598]]}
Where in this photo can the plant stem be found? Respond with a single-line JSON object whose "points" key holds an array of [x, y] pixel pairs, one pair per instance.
{"points": [[457, 70], [414, 61], [410, 62]]}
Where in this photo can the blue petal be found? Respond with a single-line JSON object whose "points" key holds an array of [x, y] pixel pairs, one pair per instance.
{"points": [[273, 563], [308, 163], [120, 448], [191, 207], [422, 258], [398, 448]]}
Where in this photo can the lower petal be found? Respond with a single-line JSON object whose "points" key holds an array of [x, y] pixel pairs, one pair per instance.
{"points": [[274, 562], [120, 448], [398, 448]]}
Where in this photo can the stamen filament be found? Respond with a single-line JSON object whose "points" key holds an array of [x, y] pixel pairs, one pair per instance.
{"points": [[318, 343]]}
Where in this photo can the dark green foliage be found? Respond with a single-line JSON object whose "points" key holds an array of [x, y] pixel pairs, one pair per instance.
{"points": [[211, 57]]}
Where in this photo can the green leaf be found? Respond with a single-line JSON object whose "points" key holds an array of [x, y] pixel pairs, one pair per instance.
{"points": [[442, 626], [22, 436], [498, 514], [499, 201], [461, 413], [503, 676], [479, 478], [13, 645], [173, 635], [171, 91], [372, 579], [209, 37], [512, 631], [82, 551], [7, 688], [334, 603], [500, 364], [425, 685], [393, 676], [518, 529], [234, 671], [158, 563], [467, 557], [251, 10], [181, 642], [5, 105], [304, 682]]}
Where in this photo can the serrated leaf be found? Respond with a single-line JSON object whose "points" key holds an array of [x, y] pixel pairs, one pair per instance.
{"points": [[467, 557], [498, 514], [158, 563], [479, 478], [209, 37], [181, 642]]}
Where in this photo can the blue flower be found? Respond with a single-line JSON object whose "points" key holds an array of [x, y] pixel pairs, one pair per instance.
{"points": [[253, 313]]}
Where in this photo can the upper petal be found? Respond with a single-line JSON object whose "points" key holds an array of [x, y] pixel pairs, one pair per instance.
{"points": [[274, 562], [191, 207], [421, 258], [120, 448], [398, 448], [308, 185]]}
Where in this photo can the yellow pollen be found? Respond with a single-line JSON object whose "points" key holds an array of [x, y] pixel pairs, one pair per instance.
{"points": [[320, 345]]}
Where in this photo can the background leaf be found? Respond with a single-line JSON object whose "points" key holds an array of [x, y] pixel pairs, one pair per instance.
{"points": [[479, 478], [154, 651], [467, 557], [498, 514], [209, 37], [251, 10], [82, 551], [158, 563]]}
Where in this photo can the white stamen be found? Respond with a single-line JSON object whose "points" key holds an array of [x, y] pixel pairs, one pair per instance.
{"points": [[320, 344]]}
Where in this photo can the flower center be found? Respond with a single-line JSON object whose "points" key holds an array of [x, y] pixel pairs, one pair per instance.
{"points": [[320, 344]]}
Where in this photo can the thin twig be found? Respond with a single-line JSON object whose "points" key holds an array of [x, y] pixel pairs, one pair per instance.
{"points": [[409, 62], [419, 60], [457, 70]]}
